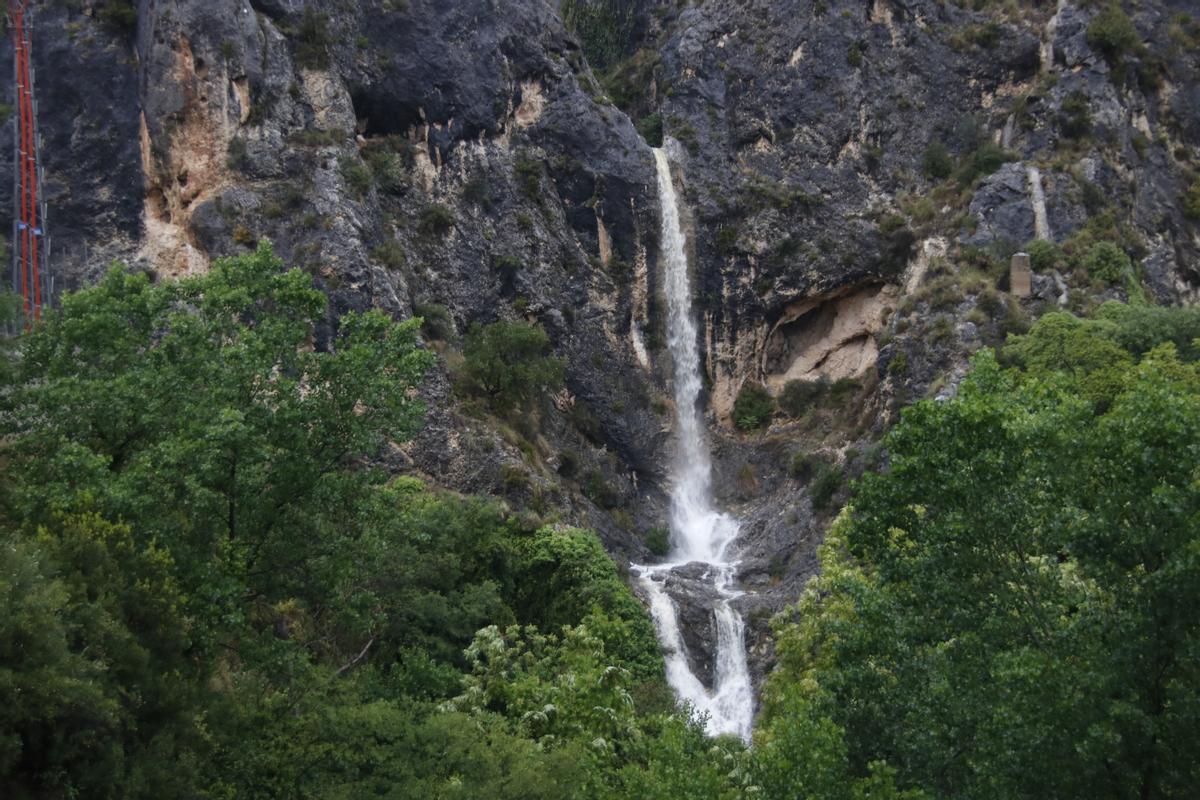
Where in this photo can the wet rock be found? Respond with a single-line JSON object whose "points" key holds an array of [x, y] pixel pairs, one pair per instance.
{"points": [[691, 589]]}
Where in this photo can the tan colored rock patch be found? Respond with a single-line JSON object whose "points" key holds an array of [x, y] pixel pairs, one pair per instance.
{"points": [[829, 337], [532, 103], [187, 164]]}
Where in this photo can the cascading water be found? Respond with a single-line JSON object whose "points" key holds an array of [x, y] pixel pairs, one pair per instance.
{"points": [[699, 533], [1037, 199]]}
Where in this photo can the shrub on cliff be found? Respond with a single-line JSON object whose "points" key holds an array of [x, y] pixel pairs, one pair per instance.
{"points": [[312, 39], [435, 220], [1043, 254], [1075, 116], [800, 395], [1107, 262], [119, 15], [825, 484], [753, 406], [604, 27], [651, 129], [1191, 200], [1112, 32], [936, 163], [509, 362]]}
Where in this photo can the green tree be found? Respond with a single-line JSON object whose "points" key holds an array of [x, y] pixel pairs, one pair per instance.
{"points": [[508, 362], [1106, 262], [272, 617], [199, 410], [99, 694], [1043, 254], [1001, 613], [563, 577], [1082, 349]]}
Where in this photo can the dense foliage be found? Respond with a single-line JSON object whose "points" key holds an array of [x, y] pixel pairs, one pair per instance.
{"points": [[1007, 611], [207, 590], [753, 406]]}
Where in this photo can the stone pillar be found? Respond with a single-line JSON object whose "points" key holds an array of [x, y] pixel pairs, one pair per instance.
{"points": [[1020, 276]]}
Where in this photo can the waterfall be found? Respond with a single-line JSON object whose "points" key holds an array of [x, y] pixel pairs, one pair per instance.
{"points": [[1037, 199], [699, 533]]}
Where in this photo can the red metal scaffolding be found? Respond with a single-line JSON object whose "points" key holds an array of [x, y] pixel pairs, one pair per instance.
{"points": [[29, 243]]}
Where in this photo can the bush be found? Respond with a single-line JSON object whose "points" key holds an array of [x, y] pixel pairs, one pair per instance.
{"points": [[941, 330], [436, 322], [824, 486], [725, 239], [390, 254], [1092, 196], [119, 15], [311, 137], [508, 362], [507, 267], [843, 389], [1075, 116], [568, 463], [605, 29], [753, 407], [854, 55], [985, 160], [435, 219], [630, 84], [243, 236], [312, 39], [936, 162], [943, 294], [528, 172], [1043, 255], [1107, 262], [1191, 200], [1112, 32], [386, 170], [658, 540], [898, 366], [599, 490], [478, 192], [356, 174], [990, 303], [798, 395], [514, 479], [802, 466], [651, 129]]}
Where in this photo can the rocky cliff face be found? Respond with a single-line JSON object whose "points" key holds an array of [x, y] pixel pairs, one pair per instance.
{"points": [[857, 174]]}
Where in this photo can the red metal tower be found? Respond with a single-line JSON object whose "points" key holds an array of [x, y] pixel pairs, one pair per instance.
{"points": [[30, 243]]}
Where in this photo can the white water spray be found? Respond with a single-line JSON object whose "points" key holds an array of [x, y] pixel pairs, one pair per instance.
{"points": [[699, 533]]}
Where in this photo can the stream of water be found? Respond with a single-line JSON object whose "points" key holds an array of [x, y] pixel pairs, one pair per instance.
{"points": [[699, 533]]}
